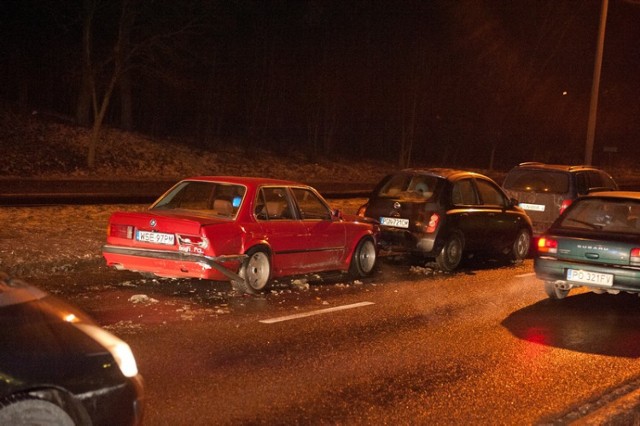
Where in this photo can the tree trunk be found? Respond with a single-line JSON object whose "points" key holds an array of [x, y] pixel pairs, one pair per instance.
{"points": [[83, 106], [126, 102]]}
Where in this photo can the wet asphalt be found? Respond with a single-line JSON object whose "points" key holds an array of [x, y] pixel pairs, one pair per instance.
{"points": [[410, 346]]}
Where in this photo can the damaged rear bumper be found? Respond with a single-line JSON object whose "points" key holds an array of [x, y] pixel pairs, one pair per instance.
{"points": [[216, 263]]}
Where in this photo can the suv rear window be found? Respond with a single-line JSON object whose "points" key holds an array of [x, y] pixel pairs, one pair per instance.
{"points": [[537, 180]]}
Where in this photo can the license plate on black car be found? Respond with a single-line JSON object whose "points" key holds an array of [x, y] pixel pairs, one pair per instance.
{"points": [[396, 222]]}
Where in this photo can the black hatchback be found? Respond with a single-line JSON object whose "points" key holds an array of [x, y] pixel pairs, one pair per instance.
{"points": [[57, 367], [443, 213]]}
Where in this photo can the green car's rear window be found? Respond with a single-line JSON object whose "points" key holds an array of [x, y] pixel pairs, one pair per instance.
{"points": [[601, 214], [537, 181]]}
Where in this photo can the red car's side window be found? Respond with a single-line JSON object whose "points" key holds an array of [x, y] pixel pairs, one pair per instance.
{"points": [[273, 203], [310, 206]]}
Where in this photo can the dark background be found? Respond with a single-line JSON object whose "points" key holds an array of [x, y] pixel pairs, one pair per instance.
{"points": [[467, 83]]}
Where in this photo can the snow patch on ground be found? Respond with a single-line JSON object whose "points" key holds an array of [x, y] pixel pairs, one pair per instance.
{"points": [[38, 241], [142, 298]]}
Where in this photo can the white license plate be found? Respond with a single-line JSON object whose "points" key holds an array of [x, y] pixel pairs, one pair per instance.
{"points": [[588, 277], [155, 237], [532, 207], [395, 222]]}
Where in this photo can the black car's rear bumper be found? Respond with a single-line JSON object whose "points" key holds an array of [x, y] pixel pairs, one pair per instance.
{"points": [[402, 240]]}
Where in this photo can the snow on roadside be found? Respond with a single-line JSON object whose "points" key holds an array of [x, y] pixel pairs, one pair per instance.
{"points": [[36, 241]]}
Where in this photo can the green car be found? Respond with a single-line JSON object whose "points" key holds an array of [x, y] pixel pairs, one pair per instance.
{"points": [[595, 243]]}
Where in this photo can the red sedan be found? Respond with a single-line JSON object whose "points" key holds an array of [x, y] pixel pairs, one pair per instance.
{"points": [[246, 230]]}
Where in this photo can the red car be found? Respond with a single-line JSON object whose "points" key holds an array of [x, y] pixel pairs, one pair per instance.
{"points": [[246, 230]]}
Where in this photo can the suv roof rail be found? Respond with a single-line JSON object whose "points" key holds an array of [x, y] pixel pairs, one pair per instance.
{"points": [[530, 163], [580, 166]]}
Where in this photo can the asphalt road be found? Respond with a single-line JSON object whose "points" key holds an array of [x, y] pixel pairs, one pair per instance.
{"points": [[481, 346]]}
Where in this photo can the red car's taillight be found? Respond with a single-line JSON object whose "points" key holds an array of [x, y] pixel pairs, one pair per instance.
{"points": [[547, 245], [565, 204], [433, 223], [193, 240], [634, 257], [121, 231]]}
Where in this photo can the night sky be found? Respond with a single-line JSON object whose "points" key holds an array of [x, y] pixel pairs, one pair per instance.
{"points": [[436, 82]]}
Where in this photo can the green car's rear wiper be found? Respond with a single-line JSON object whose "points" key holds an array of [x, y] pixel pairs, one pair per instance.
{"points": [[584, 222]]}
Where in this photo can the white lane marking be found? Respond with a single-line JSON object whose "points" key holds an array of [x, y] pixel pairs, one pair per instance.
{"points": [[318, 312], [528, 274]]}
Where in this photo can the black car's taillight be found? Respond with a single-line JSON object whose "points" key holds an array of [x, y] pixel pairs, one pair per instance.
{"points": [[432, 225], [634, 257]]}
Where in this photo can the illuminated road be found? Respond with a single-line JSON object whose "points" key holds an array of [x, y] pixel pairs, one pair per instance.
{"points": [[483, 346]]}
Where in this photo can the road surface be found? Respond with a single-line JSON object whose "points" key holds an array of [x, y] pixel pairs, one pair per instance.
{"points": [[408, 346]]}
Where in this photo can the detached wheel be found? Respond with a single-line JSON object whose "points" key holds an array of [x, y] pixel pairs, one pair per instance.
{"points": [[364, 258], [554, 292], [256, 271], [520, 248], [451, 254], [33, 412]]}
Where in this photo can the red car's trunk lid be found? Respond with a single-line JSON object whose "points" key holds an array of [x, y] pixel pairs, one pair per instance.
{"points": [[162, 223]]}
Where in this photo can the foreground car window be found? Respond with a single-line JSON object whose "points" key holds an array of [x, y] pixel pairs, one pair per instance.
{"points": [[603, 215], [538, 181], [209, 198]]}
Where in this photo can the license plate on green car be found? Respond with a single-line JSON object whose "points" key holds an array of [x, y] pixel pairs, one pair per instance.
{"points": [[588, 277]]}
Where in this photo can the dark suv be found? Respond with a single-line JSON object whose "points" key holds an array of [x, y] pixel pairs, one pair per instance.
{"points": [[545, 190], [441, 213]]}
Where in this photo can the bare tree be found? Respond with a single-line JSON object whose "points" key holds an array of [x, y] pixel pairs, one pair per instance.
{"points": [[104, 68]]}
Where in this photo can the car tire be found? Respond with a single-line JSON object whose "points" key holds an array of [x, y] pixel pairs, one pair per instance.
{"points": [[364, 258], [256, 271], [554, 292], [451, 254], [520, 247], [32, 411]]}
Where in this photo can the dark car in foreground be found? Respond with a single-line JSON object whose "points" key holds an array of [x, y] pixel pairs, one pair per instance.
{"points": [[443, 213], [57, 367], [545, 190], [595, 243], [241, 229]]}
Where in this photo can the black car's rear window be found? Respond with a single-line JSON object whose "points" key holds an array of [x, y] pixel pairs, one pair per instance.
{"points": [[603, 214], [409, 186], [546, 181]]}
